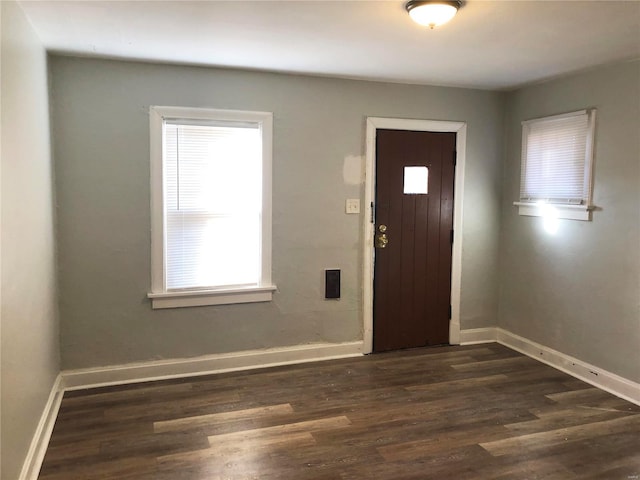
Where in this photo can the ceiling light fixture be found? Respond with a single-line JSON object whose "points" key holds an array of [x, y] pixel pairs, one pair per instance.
{"points": [[432, 13]]}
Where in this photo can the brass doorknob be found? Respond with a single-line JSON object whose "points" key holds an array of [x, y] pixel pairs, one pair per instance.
{"points": [[382, 240]]}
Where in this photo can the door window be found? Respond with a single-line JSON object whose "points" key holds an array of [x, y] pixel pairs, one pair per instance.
{"points": [[416, 180]]}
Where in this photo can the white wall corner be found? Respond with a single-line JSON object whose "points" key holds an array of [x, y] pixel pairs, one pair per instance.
{"points": [[607, 381], [207, 365], [473, 336], [40, 442]]}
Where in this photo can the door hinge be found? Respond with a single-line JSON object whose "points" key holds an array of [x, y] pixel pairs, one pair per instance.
{"points": [[372, 214], [455, 158], [451, 238], [450, 312]]}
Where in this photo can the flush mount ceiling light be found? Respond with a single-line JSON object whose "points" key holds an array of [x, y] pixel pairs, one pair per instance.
{"points": [[432, 13]]}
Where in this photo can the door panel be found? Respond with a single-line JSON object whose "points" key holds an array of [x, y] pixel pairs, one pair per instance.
{"points": [[412, 273]]}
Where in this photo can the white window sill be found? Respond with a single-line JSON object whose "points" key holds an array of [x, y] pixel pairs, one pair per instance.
{"points": [[197, 298], [556, 210]]}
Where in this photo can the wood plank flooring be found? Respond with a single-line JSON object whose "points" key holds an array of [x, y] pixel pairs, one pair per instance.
{"points": [[473, 412]]}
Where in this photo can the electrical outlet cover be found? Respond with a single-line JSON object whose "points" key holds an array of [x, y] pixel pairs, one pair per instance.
{"points": [[352, 205]]}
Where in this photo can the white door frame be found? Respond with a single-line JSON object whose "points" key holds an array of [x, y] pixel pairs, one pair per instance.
{"points": [[460, 129]]}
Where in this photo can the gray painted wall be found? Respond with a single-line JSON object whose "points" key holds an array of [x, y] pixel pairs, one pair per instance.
{"points": [[30, 359], [578, 291], [100, 117]]}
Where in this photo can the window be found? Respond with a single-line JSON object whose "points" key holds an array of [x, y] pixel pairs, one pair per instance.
{"points": [[211, 207], [416, 180], [557, 160]]}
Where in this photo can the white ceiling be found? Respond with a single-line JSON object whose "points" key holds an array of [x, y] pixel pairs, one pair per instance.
{"points": [[489, 44]]}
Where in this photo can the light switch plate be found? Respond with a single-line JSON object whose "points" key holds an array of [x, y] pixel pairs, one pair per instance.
{"points": [[352, 205]]}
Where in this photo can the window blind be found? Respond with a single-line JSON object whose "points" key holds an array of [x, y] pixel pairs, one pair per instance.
{"points": [[213, 204], [554, 163]]}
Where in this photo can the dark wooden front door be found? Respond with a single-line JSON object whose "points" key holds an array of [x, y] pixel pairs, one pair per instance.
{"points": [[412, 274]]}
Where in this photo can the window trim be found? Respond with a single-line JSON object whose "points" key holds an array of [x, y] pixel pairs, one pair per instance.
{"points": [[566, 211], [159, 296]]}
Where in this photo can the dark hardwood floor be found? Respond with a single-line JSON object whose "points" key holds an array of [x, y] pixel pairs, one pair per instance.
{"points": [[474, 412]]}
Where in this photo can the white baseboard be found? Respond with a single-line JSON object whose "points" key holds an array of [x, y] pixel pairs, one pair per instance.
{"points": [[473, 336], [40, 441], [610, 382], [205, 365]]}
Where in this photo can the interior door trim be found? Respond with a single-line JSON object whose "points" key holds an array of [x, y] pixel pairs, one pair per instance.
{"points": [[373, 124]]}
